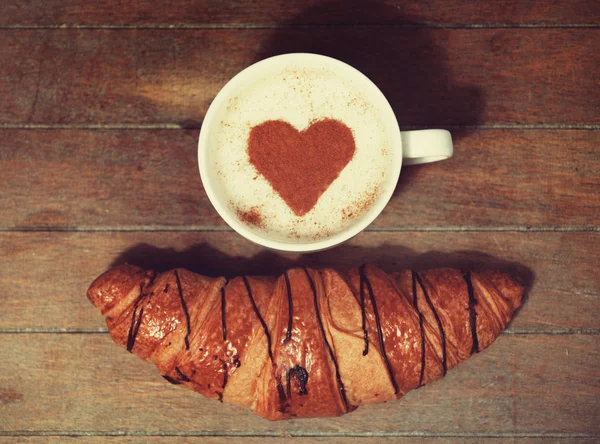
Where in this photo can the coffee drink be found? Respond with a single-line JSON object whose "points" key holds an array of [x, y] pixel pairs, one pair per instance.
{"points": [[302, 153]]}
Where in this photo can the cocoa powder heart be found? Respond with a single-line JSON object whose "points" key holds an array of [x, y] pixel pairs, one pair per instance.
{"points": [[300, 165]]}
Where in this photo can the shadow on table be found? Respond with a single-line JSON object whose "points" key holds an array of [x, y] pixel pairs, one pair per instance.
{"points": [[207, 260], [400, 55], [204, 259]]}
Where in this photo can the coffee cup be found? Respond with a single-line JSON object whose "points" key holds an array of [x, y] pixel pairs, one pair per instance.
{"points": [[300, 152]]}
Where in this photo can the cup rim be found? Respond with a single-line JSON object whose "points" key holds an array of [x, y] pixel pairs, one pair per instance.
{"points": [[296, 247]]}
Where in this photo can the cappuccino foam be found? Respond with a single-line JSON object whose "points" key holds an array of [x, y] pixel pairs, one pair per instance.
{"points": [[302, 96]]}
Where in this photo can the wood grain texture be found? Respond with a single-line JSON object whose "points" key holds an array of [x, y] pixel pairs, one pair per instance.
{"points": [[456, 76], [46, 275], [85, 382], [61, 179], [272, 12], [101, 197], [292, 439]]}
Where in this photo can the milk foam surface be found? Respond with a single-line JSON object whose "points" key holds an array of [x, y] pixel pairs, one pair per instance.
{"points": [[301, 96]]}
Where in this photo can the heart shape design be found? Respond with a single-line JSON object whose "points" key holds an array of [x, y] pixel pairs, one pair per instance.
{"points": [[301, 165]]}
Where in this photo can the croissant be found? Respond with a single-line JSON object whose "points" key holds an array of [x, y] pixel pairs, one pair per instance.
{"points": [[310, 343]]}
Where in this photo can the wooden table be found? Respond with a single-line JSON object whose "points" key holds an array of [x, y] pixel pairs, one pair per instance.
{"points": [[100, 107]]}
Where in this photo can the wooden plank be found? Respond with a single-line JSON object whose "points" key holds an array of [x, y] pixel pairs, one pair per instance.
{"points": [[287, 439], [275, 12], [456, 76], [45, 275], [522, 384], [119, 179]]}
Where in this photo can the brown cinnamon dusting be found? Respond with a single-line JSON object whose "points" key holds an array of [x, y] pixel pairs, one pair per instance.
{"points": [[361, 205], [233, 104], [301, 165], [252, 217], [323, 234]]}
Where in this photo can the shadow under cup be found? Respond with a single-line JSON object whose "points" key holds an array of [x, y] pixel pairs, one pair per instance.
{"points": [[299, 89]]}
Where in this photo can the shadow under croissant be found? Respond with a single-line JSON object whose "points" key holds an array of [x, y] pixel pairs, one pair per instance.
{"points": [[205, 259]]}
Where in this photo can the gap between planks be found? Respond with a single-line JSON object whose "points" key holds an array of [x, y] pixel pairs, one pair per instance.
{"points": [[510, 332], [259, 26], [276, 434], [226, 229], [176, 126]]}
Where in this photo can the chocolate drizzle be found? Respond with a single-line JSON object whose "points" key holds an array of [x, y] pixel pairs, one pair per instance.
{"points": [[225, 375], [136, 318], [379, 331], [327, 346], [300, 374], [185, 312], [181, 375], [416, 305], [260, 318], [438, 321], [363, 314], [136, 321], [223, 316], [472, 312], [281, 393], [288, 334], [224, 331], [171, 380]]}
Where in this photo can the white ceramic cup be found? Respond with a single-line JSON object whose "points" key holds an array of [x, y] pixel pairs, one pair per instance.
{"points": [[409, 147]]}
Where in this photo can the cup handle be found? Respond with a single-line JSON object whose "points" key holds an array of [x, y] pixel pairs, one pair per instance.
{"points": [[425, 146]]}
